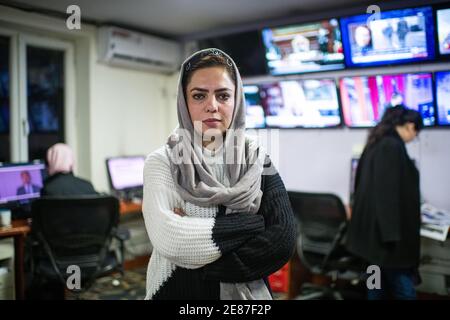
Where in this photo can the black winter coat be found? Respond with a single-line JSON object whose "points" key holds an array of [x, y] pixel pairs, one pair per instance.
{"points": [[66, 184], [385, 223]]}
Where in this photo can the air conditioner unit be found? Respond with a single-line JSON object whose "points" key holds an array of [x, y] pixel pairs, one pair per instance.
{"points": [[121, 47]]}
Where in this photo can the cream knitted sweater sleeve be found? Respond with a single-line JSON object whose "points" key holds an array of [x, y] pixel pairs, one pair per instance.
{"points": [[185, 241], [198, 238]]}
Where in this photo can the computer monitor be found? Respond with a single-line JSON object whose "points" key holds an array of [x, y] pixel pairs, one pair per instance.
{"points": [[21, 183], [301, 104], [364, 99], [443, 97], [301, 48], [397, 36], [126, 173]]}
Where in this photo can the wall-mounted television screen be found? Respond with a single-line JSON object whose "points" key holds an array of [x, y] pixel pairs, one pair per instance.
{"points": [[364, 99], [303, 48], [398, 36], [245, 48], [301, 103], [443, 30], [443, 97], [254, 111]]}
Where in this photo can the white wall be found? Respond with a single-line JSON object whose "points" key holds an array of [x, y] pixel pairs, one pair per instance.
{"points": [[171, 104], [432, 153], [128, 116], [319, 161]]}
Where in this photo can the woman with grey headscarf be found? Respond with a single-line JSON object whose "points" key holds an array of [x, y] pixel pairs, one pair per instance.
{"points": [[216, 211]]}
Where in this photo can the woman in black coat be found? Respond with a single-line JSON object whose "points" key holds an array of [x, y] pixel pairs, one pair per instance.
{"points": [[385, 226]]}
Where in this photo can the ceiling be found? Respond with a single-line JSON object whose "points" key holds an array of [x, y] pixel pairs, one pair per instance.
{"points": [[182, 18]]}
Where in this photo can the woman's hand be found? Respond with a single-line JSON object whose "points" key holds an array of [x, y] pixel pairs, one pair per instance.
{"points": [[179, 212]]}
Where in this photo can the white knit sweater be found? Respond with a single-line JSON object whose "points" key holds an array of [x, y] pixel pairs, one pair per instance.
{"points": [[177, 241]]}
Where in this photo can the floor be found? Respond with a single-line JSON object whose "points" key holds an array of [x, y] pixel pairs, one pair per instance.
{"points": [[129, 287]]}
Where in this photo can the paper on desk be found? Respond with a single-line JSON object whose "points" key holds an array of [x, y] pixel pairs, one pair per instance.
{"points": [[3, 270], [434, 231], [432, 215]]}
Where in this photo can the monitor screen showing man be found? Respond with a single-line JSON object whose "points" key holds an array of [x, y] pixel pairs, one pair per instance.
{"points": [[27, 186], [21, 182]]}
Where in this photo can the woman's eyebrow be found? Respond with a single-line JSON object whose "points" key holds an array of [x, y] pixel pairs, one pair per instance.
{"points": [[199, 89], [206, 90], [222, 89]]}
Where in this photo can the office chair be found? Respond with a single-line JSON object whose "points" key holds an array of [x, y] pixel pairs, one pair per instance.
{"points": [[76, 231], [322, 225]]}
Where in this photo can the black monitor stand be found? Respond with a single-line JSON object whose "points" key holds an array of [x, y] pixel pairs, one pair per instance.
{"points": [[128, 195], [19, 210]]}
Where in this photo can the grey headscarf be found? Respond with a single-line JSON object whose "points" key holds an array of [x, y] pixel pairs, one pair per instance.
{"points": [[242, 157], [244, 162]]}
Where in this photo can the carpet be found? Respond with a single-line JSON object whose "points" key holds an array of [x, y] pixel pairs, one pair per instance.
{"points": [[130, 286]]}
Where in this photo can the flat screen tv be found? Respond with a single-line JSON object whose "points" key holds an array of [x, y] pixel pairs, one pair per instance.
{"points": [[443, 31], [443, 97], [364, 99], [254, 111], [398, 36], [301, 103], [245, 48], [304, 48]]}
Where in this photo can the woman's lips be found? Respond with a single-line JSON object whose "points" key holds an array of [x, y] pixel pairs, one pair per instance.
{"points": [[213, 123]]}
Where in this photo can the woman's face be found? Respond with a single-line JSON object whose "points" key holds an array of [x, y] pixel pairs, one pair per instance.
{"points": [[362, 36], [409, 132], [210, 99]]}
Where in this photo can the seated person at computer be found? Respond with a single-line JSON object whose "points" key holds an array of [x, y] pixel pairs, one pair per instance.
{"points": [[61, 180], [27, 185]]}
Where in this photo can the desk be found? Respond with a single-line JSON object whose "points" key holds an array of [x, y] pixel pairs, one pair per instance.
{"points": [[19, 231], [299, 274], [127, 207]]}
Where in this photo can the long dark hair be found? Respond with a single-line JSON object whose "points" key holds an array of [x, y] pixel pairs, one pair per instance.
{"points": [[392, 117]]}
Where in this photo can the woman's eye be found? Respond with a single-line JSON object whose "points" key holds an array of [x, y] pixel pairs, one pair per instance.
{"points": [[224, 97], [198, 96]]}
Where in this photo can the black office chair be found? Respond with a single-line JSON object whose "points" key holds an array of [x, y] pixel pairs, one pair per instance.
{"points": [[322, 225], [76, 231]]}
